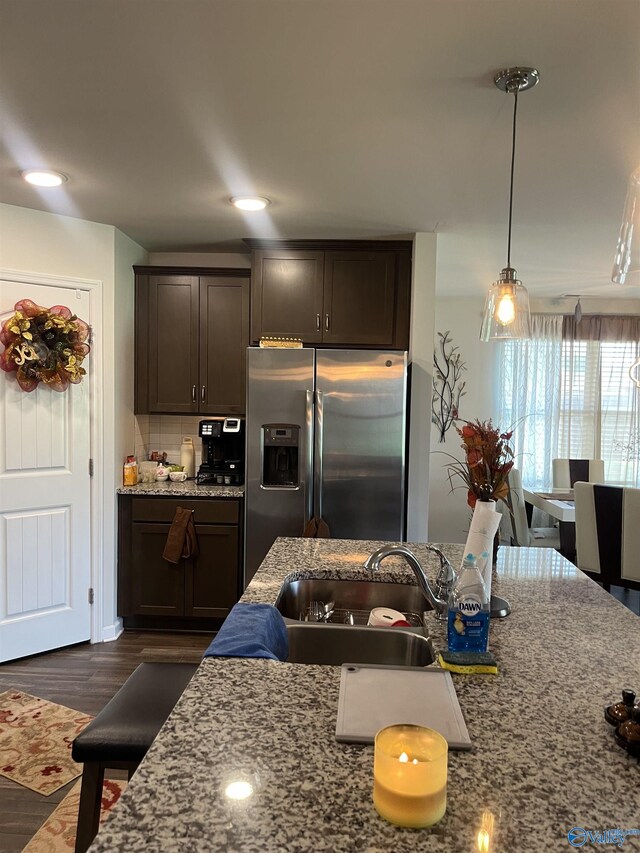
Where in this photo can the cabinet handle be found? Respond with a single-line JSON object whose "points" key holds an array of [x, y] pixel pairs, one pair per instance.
{"points": [[326, 322], [317, 322], [203, 393], [193, 393]]}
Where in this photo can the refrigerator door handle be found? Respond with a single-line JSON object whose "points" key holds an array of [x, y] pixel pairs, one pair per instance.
{"points": [[308, 461], [317, 470]]}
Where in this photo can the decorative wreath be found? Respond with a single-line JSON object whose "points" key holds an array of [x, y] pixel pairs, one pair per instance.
{"points": [[44, 345]]}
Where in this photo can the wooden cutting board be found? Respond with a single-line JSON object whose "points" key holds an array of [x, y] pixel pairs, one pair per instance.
{"points": [[372, 697]]}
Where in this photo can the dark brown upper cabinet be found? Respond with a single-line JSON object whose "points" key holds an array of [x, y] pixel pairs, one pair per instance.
{"points": [[333, 293], [287, 296], [192, 331], [224, 338]]}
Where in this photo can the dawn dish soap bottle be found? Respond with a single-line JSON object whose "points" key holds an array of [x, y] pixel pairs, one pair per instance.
{"points": [[469, 610]]}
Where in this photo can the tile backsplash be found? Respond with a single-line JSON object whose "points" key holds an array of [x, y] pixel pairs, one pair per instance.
{"points": [[164, 433]]}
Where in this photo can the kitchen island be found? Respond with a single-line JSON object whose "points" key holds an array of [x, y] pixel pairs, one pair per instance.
{"points": [[544, 760]]}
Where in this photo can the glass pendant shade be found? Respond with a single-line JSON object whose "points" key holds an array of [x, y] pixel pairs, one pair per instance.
{"points": [[506, 310], [627, 256]]}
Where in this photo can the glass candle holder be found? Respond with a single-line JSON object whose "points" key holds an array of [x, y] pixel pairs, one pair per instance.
{"points": [[410, 775]]}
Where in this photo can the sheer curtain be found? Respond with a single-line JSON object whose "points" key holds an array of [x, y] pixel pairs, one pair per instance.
{"points": [[599, 413], [529, 398]]}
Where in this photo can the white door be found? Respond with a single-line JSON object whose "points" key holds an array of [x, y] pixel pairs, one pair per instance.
{"points": [[45, 510]]}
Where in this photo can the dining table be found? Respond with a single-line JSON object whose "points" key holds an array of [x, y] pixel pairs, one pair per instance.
{"points": [[559, 504]]}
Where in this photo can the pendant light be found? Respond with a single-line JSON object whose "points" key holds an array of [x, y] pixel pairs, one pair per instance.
{"points": [[627, 256], [506, 310], [578, 309]]}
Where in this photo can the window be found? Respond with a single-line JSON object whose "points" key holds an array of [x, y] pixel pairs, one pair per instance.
{"points": [[568, 393]]}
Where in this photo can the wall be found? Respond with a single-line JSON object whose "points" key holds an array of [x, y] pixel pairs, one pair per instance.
{"points": [[448, 512], [200, 259], [165, 433], [37, 242], [126, 253], [421, 358], [593, 305]]}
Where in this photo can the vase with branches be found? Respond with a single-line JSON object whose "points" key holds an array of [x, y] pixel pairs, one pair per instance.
{"points": [[488, 460]]}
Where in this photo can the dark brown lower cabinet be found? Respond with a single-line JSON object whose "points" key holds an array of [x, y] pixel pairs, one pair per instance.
{"points": [[195, 593], [212, 578]]}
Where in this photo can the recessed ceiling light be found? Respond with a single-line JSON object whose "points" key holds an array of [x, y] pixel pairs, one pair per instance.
{"points": [[44, 178], [250, 202]]}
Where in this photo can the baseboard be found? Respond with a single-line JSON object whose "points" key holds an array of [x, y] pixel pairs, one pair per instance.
{"points": [[112, 632]]}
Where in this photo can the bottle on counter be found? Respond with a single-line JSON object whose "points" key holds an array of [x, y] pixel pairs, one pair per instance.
{"points": [[469, 610], [188, 457]]}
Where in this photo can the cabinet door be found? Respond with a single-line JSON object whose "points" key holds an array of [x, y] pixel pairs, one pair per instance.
{"points": [[157, 587], [359, 298], [213, 576], [173, 343], [224, 338], [287, 294]]}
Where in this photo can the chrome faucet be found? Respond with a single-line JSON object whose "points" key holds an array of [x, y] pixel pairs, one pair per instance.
{"points": [[444, 581]]}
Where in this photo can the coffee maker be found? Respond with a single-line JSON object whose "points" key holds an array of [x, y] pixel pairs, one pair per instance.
{"points": [[222, 452]]}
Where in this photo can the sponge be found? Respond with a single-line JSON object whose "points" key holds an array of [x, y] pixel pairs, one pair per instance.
{"points": [[468, 663]]}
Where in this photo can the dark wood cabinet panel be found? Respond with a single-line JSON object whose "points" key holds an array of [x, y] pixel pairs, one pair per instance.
{"points": [[287, 294], [157, 587], [212, 577], [192, 332], [359, 298], [204, 511], [336, 293], [224, 338], [199, 591], [173, 343]]}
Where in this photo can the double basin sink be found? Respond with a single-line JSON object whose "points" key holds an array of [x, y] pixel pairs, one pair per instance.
{"points": [[335, 644]]}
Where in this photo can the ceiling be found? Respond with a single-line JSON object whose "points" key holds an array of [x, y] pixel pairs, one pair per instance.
{"points": [[358, 118]]}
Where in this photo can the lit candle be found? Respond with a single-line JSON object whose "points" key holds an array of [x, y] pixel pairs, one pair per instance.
{"points": [[410, 775]]}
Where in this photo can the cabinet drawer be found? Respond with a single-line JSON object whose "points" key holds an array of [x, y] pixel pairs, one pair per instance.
{"points": [[206, 510]]}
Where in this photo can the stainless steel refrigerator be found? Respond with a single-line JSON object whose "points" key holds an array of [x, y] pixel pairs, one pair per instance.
{"points": [[325, 434]]}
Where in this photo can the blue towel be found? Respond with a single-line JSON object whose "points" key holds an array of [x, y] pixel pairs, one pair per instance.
{"points": [[251, 631]]}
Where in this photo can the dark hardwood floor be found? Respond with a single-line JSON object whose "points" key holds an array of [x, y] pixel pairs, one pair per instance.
{"points": [[83, 677]]}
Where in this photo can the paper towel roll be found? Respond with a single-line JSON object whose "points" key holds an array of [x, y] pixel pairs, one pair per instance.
{"points": [[384, 617], [484, 526]]}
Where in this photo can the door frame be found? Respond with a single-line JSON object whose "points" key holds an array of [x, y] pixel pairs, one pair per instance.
{"points": [[96, 420]]}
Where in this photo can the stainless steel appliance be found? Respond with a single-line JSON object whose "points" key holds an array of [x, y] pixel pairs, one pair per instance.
{"points": [[325, 438], [223, 449]]}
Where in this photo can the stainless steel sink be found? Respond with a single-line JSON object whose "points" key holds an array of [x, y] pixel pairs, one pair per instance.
{"points": [[334, 645], [357, 598]]}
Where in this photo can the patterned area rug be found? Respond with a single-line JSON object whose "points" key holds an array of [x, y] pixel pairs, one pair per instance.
{"points": [[58, 833], [35, 741]]}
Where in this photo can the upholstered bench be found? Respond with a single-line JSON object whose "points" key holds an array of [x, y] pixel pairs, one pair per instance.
{"points": [[123, 731]]}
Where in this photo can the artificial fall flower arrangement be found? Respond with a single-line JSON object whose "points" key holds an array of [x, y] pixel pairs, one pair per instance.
{"points": [[44, 345], [488, 460]]}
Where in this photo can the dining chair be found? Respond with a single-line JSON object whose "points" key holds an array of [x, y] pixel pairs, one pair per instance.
{"points": [[566, 472], [522, 534], [608, 533]]}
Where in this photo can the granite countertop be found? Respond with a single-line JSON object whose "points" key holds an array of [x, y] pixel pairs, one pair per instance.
{"points": [[544, 759], [188, 489]]}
